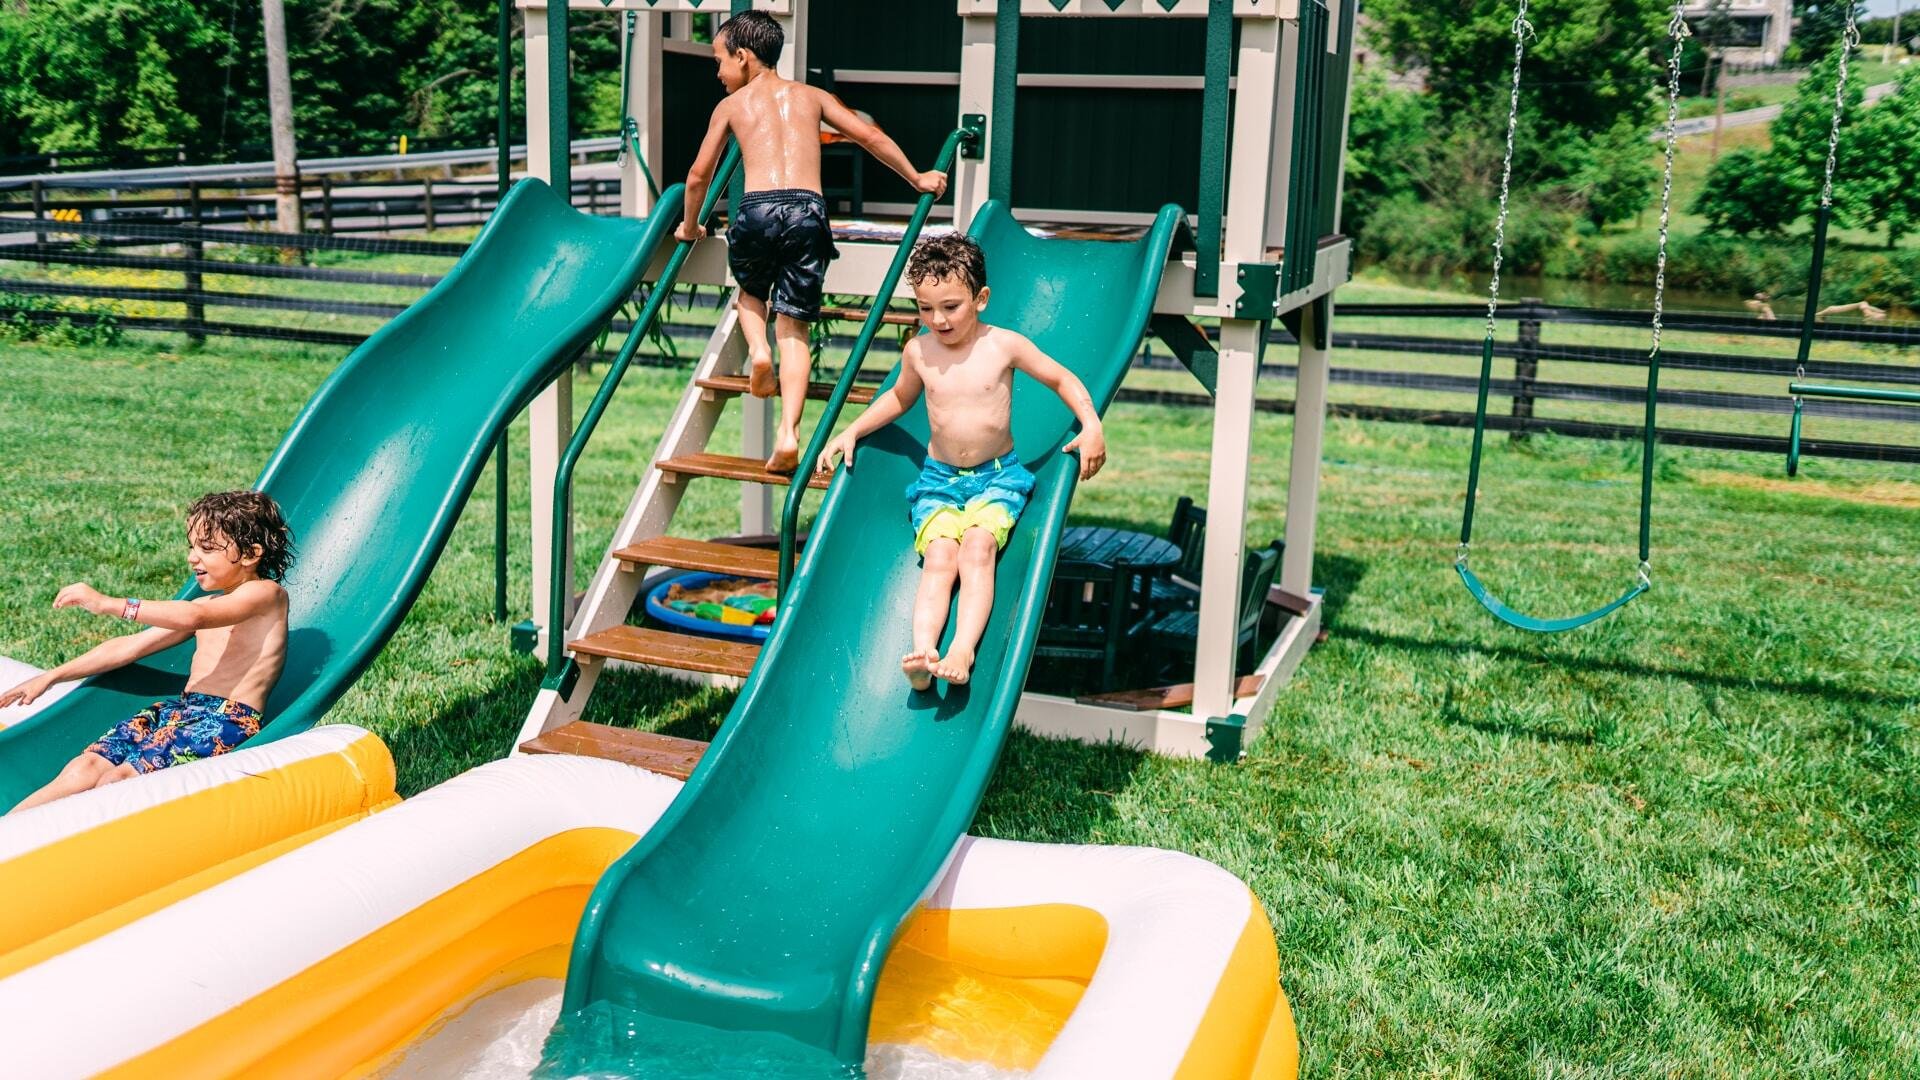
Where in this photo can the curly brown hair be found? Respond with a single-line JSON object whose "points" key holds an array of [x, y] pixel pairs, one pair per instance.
{"points": [[954, 255], [246, 518]]}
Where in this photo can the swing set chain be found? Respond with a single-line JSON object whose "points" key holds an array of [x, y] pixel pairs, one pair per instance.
{"points": [[1679, 31], [1522, 30], [1849, 41]]}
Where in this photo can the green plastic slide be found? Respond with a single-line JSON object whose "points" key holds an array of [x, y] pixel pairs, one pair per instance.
{"points": [[768, 895], [375, 470]]}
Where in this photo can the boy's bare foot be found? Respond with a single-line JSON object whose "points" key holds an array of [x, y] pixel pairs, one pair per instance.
{"points": [[786, 454], [760, 380], [919, 667], [956, 667]]}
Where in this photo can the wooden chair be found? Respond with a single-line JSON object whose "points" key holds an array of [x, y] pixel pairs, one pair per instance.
{"points": [[1092, 614], [1177, 633]]}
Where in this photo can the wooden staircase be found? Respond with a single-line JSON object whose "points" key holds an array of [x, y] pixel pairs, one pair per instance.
{"points": [[598, 633]]}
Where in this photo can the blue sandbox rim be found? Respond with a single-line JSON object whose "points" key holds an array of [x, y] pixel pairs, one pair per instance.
{"points": [[693, 579]]}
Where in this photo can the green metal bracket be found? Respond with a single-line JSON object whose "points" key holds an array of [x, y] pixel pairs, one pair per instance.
{"points": [[524, 636], [1259, 286], [973, 144], [1190, 346], [563, 680], [1226, 739]]}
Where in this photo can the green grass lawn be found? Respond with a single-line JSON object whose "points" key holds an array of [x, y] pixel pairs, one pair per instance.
{"points": [[1680, 843]]}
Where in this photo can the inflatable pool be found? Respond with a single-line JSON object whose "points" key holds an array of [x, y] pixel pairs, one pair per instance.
{"points": [[74, 870], [362, 951]]}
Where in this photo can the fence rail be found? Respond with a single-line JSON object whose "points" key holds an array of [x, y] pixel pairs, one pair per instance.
{"points": [[328, 206], [192, 251]]}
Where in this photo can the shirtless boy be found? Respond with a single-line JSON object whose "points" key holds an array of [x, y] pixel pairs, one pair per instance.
{"points": [[238, 548], [972, 487], [780, 243]]}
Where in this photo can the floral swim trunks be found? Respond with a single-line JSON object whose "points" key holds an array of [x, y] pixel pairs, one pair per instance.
{"points": [[947, 501], [178, 730]]}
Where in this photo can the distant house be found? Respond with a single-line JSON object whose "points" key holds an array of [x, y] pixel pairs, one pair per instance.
{"points": [[1756, 31]]}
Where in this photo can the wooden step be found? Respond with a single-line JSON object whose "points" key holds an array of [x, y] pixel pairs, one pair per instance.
{"points": [[729, 559], [663, 754], [682, 652], [729, 467], [1164, 697], [817, 391], [859, 315]]}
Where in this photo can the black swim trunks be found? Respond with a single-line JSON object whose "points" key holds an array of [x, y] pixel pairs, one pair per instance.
{"points": [[779, 247]]}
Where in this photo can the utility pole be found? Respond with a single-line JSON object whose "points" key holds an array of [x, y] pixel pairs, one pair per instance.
{"points": [[286, 162], [1886, 56]]}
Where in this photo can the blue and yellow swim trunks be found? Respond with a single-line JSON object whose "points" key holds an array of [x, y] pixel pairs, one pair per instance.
{"points": [[178, 730], [947, 501]]}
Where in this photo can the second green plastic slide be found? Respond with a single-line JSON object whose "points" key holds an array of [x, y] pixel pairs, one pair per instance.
{"points": [[375, 470]]}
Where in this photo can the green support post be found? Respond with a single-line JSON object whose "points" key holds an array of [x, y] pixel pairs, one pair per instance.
{"points": [[1211, 206], [1006, 74], [559, 129]]}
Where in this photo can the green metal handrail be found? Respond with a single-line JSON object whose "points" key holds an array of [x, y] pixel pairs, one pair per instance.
{"points": [[823, 429], [563, 476]]}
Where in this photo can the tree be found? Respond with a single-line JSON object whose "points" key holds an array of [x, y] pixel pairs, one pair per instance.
{"points": [[1585, 101], [1745, 194], [86, 75], [286, 163], [1882, 184], [1819, 25], [1386, 133], [1800, 136]]}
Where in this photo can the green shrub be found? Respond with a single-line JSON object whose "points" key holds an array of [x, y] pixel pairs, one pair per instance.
{"points": [[87, 324]]}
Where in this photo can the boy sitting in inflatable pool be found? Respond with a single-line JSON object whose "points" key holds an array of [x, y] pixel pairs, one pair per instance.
{"points": [[973, 487], [238, 548]]}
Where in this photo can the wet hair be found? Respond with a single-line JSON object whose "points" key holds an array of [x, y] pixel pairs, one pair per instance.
{"points": [[246, 518], [755, 31], [951, 256]]}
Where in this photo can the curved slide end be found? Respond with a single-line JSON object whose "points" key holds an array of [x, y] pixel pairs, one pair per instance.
{"points": [[77, 869]]}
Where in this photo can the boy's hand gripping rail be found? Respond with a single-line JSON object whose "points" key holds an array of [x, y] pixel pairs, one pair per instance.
{"points": [[823, 429], [563, 477]]}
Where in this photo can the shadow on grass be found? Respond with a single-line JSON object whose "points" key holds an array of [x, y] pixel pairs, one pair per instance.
{"points": [[1719, 679], [1054, 790]]}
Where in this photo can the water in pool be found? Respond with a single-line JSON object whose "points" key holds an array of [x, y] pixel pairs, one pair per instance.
{"points": [[512, 1034]]}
